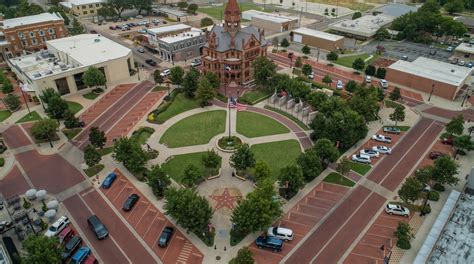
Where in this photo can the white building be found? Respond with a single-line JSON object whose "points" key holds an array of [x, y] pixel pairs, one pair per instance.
{"points": [[62, 65], [182, 46], [270, 21], [363, 27], [154, 34]]}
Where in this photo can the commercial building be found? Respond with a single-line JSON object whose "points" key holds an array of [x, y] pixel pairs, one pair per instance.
{"points": [[83, 8], [464, 51], [269, 21], [231, 49], [363, 27], [171, 13], [396, 10], [430, 76], [64, 62], [182, 46], [29, 33], [154, 34], [317, 39]]}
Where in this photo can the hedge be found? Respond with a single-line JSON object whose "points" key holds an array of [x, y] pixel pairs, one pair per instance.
{"points": [[433, 196]]}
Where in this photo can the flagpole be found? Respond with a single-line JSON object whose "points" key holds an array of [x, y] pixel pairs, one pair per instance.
{"points": [[229, 115]]}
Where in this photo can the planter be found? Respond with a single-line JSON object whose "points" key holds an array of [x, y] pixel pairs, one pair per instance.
{"points": [[215, 176], [229, 145]]}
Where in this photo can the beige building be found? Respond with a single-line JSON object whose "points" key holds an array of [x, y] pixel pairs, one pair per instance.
{"points": [[464, 51], [363, 27], [317, 39], [62, 65], [270, 22], [83, 8]]}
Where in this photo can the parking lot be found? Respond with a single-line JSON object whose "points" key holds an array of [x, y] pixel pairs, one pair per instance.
{"points": [[396, 50]]}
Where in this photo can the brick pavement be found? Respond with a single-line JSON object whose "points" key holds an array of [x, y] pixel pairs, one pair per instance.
{"points": [[15, 137]]}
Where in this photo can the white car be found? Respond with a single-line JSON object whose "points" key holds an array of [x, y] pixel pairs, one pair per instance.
{"points": [[155, 21], [142, 31], [384, 83], [461, 63], [165, 72], [284, 234], [382, 149], [368, 79], [361, 158], [339, 85], [395, 209], [382, 138], [139, 16], [195, 63], [369, 152], [450, 49], [311, 76], [57, 226]]}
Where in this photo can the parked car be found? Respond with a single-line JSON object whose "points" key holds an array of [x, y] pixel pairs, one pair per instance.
{"points": [[142, 31], [382, 138], [471, 41], [69, 248], [361, 158], [436, 154], [90, 260], [150, 62], [404, 57], [469, 65], [112, 27], [384, 83], [165, 236], [195, 63], [141, 50], [65, 235], [281, 233], [449, 49], [139, 17], [368, 79], [165, 72], [395, 209], [269, 242], [447, 141], [311, 76], [155, 21], [81, 255], [93, 32], [339, 85], [164, 22], [97, 227], [391, 130], [461, 63], [57, 226], [369, 152], [109, 180], [382, 149], [130, 202], [125, 28]]}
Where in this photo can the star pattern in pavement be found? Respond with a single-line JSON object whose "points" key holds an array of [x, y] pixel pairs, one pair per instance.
{"points": [[225, 200]]}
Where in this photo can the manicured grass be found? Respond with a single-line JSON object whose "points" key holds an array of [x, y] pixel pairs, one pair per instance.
{"points": [[337, 178], [74, 107], [404, 128], [217, 12], [91, 95], [195, 130], [106, 151], [347, 61], [180, 104], [4, 114], [390, 103], [277, 154], [34, 117], [71, 133], [256, 125], [294, 119], [175, 166], [159, 88], [255, 96], [360, 168], [94, 170], [143, 134], [2, 162]]}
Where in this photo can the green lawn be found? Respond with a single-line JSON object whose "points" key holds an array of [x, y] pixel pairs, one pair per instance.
{"points": [[106, 151], [177, 164], [34, 117], [2, 162], [74, 107], [256, 125], [390, 103], [180, 104], [277, 154], [91, 95], [255, 96], [404, 128], [94, 170], [159, 88], [143, 134], [337, 178], [71, 133], [360, 168], [4, 114], [217, 12], [195, 130], [347, 61], [294, 119]]}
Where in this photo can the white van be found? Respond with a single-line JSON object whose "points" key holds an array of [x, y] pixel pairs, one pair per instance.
{"points": [[281, 233], [57, 226]]}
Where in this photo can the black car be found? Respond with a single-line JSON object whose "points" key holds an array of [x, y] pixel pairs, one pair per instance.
{"points": [[151, 62], [165, 236], [97, 227], [71, 245], [130, 202]]}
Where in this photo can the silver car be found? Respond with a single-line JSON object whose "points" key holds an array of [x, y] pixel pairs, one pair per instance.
{"points": [[382, 149], [369, 152], [382, 138], [361, 158], [395, 209]]}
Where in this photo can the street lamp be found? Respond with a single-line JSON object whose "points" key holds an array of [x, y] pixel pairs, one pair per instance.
{"points": [[431, 93]]}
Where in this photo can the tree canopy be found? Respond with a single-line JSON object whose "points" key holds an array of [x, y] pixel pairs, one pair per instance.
{"points": [[190, 82], [264, 69], [176, 75], [410, 190], [130, 153], [243, 158], [456, 125], [290, 180], [158, 181], [41, 249], [93, 77]]}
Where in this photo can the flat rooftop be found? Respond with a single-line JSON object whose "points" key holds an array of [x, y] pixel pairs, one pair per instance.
{"points": [[81, 2], [364, 26], [434, 70], [167, 29], [171, 11], [249, 14], [465, 47], [317, 34], [194, 32], [28, 20]]}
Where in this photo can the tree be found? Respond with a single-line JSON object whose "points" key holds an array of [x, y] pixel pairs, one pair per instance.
{"points": [[25, 9], [244, 256], [242, 158], [189, 209], [431, 6], [358, 64], [70, 121], [365, 102], [398, 114], [211, 160], [290, 180], [351, 86], [44, 130], [97, 137], [455, 126], [382, 34], [261, 171], [41, 249], [107, 11], [424, 174], [12, 102], [410, 190], [192, 8], [57, 107], [370, 70], [47, 94], [119, 6], [454, 6], [381, 72], [93, 77], [327, 79], [298, 62], [190, 82], [7, 86], [395, 95], [191, 176], [463, 143], [207, 21], [275, 42], [310, 164], [141, 5], [176, 75], [306, 50], [157, 77], [158, 181], [60, 11], [356, 15], [326, 151], [285, 43], [130, 153], [332, 56], [205, 92], [307, 69], [213, 79], [182, 5], [344, 166], [91, 156], [264, 69], [444, 171], [77, 28]]}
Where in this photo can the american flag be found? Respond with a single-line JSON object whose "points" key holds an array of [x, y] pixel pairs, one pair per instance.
{"points": [[234, 104]]}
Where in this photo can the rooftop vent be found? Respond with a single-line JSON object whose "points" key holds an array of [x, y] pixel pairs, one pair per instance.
{"points": [[97, 40], [452, 70]]}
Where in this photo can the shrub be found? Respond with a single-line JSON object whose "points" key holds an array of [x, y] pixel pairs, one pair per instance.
{"points": [[381, 72], [26, 204], [12, 102], [403, 243], [438, 187], [426, 210], [433, 196]]}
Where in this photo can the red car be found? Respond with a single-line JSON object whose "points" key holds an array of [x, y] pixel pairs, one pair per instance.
{"points": [[436, 154]]}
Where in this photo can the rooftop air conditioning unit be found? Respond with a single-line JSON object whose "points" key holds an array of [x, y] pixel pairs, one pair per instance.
{"points": [[96, 40]]}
